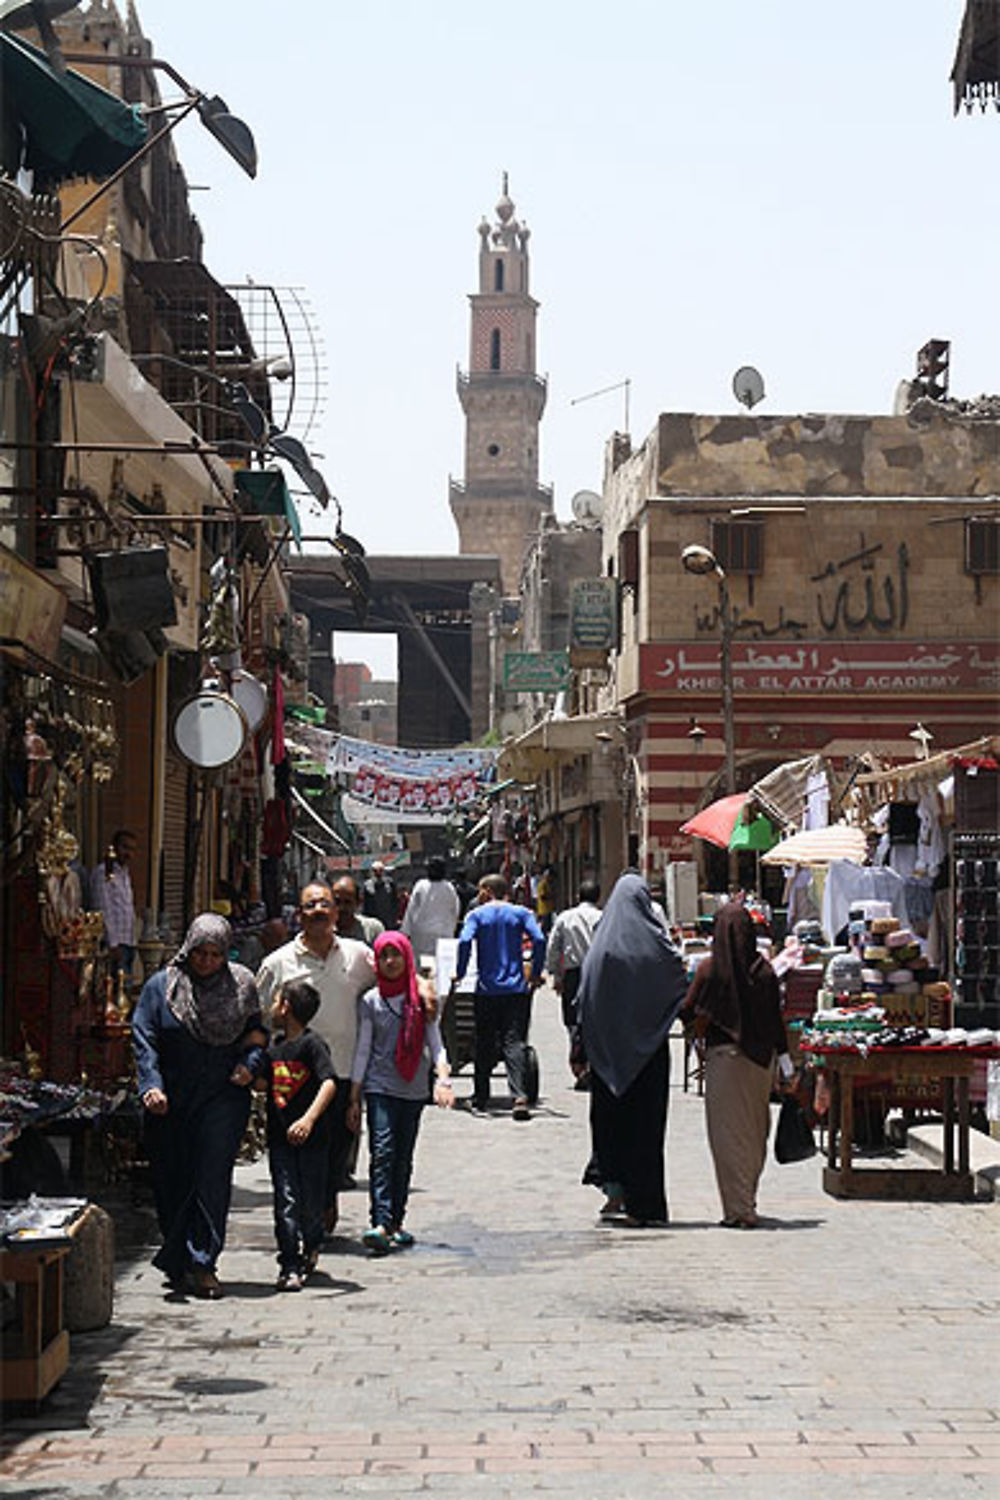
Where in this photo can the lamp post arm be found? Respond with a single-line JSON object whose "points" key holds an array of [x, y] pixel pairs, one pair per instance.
{"points": [[142, 152], [726, 671]]}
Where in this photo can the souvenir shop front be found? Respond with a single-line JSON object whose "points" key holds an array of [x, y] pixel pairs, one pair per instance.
{"points": [[892, 993], [68, 763]]}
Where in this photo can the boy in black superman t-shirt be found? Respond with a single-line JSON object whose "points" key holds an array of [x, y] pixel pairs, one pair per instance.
{"points": [[300, 1086]]}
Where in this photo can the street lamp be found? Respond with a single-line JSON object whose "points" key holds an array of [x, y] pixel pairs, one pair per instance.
{"points": [[232, 133], [701, 561]]}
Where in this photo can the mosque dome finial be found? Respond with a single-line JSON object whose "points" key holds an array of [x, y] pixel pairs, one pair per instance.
{"points": [[505, 206]]}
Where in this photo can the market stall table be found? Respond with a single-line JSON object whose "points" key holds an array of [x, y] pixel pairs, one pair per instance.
{"points": [[36, 1235], [951, 1067]]}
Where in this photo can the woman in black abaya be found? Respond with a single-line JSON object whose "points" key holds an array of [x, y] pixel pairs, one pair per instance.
{"points": [[631, 988], [198, 1039]]}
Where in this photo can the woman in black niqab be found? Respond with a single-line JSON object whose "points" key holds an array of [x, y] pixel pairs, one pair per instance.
{"points": [[631, 988]]}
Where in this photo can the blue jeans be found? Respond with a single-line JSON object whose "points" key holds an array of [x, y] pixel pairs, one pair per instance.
{"points": [[299, 1179], [392, 1137]]}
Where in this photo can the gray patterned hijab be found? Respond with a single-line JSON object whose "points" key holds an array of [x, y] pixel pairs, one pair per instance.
{"points": [[631, 986], [219, 1009]]}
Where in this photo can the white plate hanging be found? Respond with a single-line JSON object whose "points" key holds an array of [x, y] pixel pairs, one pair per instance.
{"points": [[210, 730], [251, 695]]}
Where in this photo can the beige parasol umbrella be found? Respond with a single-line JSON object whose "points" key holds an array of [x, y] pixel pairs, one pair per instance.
{"points": [[820, 846]]}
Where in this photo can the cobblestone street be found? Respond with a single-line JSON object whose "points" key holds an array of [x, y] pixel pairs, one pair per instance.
{"points": [[520, 1346]]}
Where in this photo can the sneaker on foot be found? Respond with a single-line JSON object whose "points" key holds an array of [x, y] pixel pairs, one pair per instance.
{"points": [[402, 1239], [289, 1281], [521, 1110], [377, 1240]]}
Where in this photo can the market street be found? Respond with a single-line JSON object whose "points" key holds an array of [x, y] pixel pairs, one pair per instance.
{"points": [[521, 1347]]}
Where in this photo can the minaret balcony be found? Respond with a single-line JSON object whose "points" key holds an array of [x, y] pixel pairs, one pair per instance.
{"points": [[464, 379], [483, 491], [469, 384]]}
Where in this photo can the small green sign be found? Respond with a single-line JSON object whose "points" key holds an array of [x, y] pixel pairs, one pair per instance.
{"points": [[536, 671]]}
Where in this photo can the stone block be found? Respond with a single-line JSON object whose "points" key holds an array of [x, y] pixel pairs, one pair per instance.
{"points": [[89, 1276]]}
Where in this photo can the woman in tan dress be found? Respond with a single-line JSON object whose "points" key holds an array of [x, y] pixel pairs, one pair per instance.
{"points": [[735, 1006]]}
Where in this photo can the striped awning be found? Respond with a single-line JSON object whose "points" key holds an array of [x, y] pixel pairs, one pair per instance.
{"points": [[820, 846]]}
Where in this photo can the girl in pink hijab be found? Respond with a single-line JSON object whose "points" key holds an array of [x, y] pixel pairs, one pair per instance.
{"points": [[397, 1046]]}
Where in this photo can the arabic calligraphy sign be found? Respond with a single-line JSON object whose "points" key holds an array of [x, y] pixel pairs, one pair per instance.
{"points": [[826, 667], [536, 671]]}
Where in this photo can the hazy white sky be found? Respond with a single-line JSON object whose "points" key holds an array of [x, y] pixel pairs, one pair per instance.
{"points": [[777, 183]]}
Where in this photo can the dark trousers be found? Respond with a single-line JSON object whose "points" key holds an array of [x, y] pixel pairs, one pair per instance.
{"points": [[570, 985], [341, 1142], [299, 1176], [501, 1030], [628, 1135], [392, 1137], [191, 1156]]}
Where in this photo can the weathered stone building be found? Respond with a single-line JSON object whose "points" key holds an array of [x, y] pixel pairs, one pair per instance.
{"points": [[861, 557], [500, 505]]}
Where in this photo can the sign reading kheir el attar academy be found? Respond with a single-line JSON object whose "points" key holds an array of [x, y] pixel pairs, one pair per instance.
{"points": [[536, 671], [826, 667], [593, 614]]}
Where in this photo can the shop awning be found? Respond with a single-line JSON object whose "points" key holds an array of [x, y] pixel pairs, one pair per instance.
{"points": [[553, 740], [931, 769], [264, 492], [61, 125], [820, 846]]}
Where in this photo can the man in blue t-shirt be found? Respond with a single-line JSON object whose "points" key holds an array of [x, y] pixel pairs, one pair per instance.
{"points": [[503, 992]]}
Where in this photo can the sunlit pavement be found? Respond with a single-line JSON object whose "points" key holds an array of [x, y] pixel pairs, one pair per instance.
{"points": [[521, 1346]]}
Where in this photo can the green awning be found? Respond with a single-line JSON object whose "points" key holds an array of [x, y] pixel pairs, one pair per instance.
{"points": [[760, 835], [263, 492], [61, 125]]}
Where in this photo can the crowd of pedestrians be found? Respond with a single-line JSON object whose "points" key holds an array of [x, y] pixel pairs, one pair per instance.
{"points": [[339, 1023]]}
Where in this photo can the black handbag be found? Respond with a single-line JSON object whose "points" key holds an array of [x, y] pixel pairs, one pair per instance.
{"points": [[793, 1139]]}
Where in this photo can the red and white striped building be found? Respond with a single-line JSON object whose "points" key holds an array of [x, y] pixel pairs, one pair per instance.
{"points": [[862, 559]]}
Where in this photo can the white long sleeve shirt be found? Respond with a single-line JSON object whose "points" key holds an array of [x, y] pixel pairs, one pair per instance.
{"points": [[432, 912], [571, 936]]}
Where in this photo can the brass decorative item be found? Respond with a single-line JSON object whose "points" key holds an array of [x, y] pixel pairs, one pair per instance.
{"points": [[32, 1059]]}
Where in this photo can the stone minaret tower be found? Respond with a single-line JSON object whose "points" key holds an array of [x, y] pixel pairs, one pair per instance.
{"points": [[500, 506]]}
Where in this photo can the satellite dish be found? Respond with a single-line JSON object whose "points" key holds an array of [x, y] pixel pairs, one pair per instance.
{"points": [[587, 507], [210, 730], [748, 386]]}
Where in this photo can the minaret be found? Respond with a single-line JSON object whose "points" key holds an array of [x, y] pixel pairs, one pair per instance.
{"points": [[500, 506]]}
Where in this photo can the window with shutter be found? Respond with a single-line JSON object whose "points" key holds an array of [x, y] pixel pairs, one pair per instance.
{"points": [[628, 559], [739, 545], [982, 546]]}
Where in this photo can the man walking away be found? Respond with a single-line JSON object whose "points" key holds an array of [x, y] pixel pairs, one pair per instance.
{"points": [[432, 911], [569, 942], [380, 895], [503, 994]]}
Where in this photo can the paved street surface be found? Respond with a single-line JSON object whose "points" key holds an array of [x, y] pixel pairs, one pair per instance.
{"points": [[520, 1346]]}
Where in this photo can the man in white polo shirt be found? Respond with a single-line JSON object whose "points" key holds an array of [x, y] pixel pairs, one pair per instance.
{"points": [[341, 969]]}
